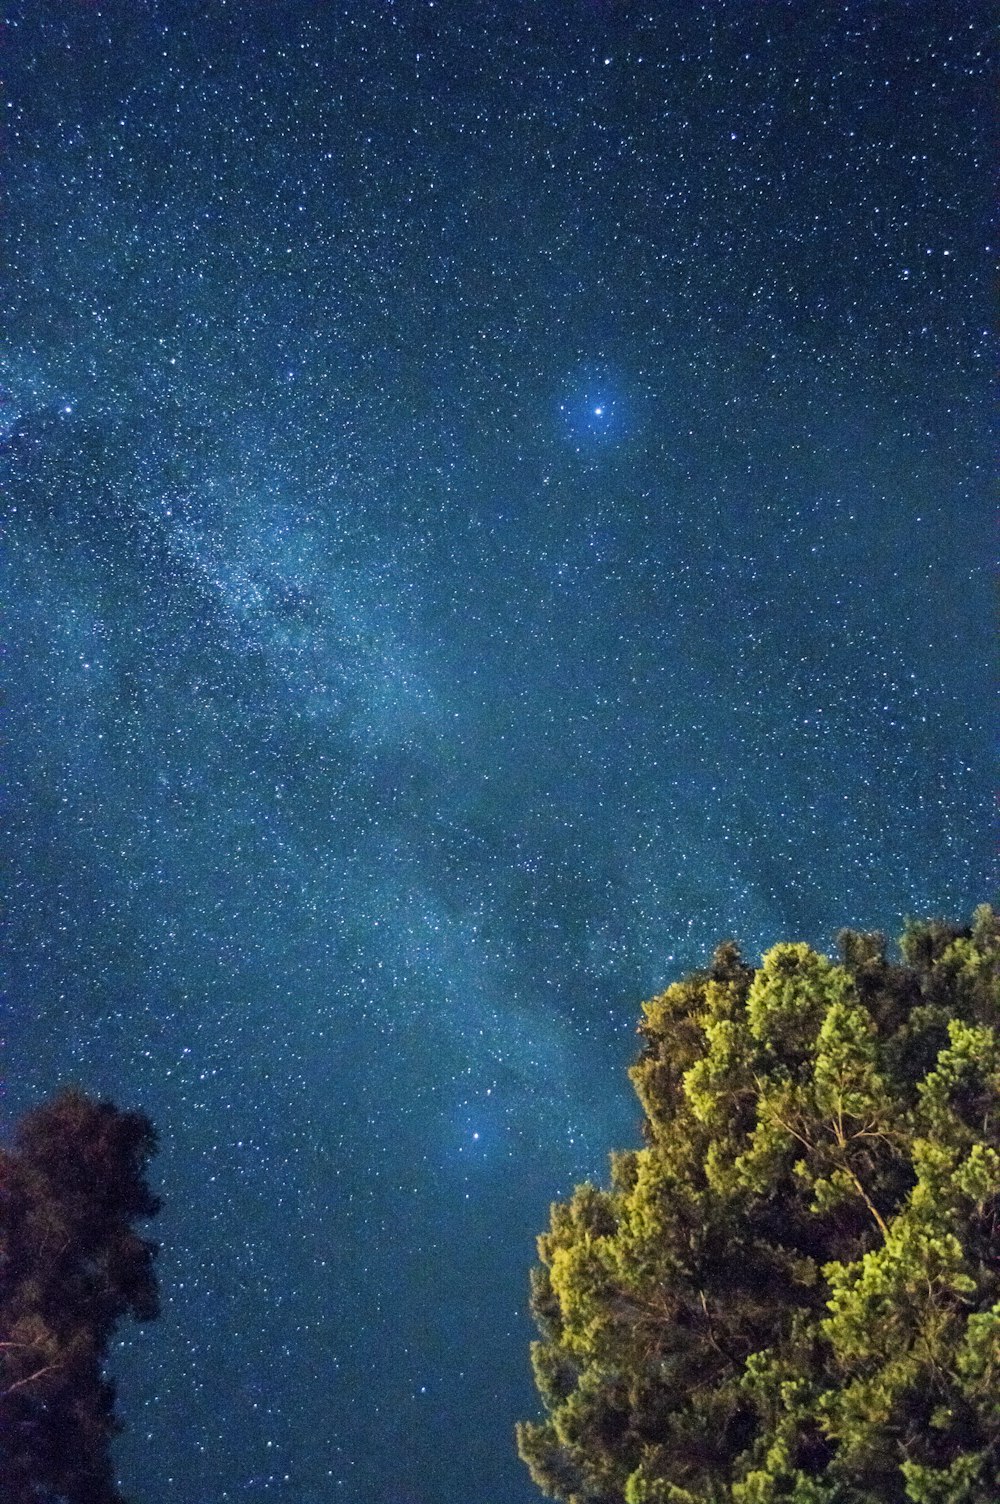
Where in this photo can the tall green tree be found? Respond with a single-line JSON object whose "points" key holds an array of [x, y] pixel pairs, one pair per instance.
{"points": [[792, 1292], [71, 1266]]}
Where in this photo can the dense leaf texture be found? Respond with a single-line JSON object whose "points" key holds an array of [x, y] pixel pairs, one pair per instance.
{"points": [[71, 1266], [793, 1291]]}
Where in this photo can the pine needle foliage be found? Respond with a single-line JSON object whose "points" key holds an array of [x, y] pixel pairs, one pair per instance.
{"points": [[791, 1293]]}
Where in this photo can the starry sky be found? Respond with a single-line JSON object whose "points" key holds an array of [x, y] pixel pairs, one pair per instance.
{"points": [[495, 501]]}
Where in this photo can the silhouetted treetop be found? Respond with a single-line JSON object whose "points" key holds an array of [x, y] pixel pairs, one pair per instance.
{"points": [[71, 1266]]}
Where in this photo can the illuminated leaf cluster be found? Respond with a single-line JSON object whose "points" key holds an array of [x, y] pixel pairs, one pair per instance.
{"points": [[792, 1292]]}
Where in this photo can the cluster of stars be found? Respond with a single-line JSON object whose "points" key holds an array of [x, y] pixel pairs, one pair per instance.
{"points": [[497, 504]]}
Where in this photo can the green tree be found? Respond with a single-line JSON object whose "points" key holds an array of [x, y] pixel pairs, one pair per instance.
{"points": [[792, 1292], [71, 1266]]}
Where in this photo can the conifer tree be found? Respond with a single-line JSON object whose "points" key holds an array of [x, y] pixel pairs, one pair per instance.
{"points": [[71, 1266], [792, 1291]]}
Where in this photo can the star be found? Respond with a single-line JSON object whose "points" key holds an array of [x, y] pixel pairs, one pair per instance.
{"points": [[427, 664]]}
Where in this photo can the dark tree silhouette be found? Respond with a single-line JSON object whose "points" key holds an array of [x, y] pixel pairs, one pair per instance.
{"points": [[791, 1294], [71, 1266]]}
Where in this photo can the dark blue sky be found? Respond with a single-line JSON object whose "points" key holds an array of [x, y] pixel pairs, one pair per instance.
{"points": [[496, 502]]}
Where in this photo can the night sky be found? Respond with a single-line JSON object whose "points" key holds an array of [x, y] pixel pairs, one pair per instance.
{"points": [[495, 501]]}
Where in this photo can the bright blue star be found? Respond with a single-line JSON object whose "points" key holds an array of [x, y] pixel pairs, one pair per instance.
{"points": [[590, 406]]}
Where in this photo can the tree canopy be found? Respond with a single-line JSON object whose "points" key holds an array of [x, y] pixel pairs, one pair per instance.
{"points": [[792, 1291], [71, 1266]]}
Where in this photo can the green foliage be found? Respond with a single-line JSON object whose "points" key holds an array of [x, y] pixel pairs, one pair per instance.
{"points": [[71, 1266], [791, 1294]]}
